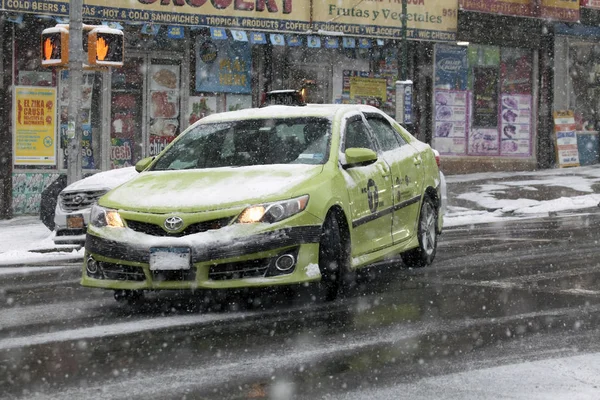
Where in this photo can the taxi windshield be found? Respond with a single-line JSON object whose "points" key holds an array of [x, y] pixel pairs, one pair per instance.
{"points": [[250, 142]]}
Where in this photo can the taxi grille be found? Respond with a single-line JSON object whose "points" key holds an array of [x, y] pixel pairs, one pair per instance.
{"points": [[157, 230], [170, 276], [75, 201], [239, 270], [119, 272]]}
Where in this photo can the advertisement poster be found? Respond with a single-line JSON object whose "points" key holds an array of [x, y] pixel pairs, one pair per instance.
{"points": [[388, 106], [121, 153], [484, 142], [450, 122], [485, 97], [87, 153], [515, 71], [164, 106], [235, 102], [566, 139], [368, 88], [200, 107], [27, 191], [451, 67], [223, 66], [515, 125], [35, 125]]}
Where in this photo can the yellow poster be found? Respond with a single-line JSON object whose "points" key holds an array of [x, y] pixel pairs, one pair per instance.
{"points": [[34, 125], [426, 19], [368, 87]]}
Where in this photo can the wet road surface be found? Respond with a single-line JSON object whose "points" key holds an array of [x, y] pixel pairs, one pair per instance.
{"points": [[497, 294]]}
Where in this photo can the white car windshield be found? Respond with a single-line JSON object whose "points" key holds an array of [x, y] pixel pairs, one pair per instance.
{"points": [[250, 142]]}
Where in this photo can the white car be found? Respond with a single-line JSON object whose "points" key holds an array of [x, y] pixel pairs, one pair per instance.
{"points": [[72, 211]]}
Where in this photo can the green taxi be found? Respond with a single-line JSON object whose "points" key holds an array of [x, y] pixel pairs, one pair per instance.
{"points": [[278, 195]]}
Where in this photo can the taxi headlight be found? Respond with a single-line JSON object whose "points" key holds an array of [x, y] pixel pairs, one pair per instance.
{"points": [[101, 217], [273, 212]]}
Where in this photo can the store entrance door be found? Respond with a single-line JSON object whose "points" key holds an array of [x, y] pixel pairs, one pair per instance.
{"points": [[316, 79], [145, 107]]}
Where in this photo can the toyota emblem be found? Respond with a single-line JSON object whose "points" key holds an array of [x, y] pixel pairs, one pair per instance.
{"points": [[78, 199], [173, 223]]}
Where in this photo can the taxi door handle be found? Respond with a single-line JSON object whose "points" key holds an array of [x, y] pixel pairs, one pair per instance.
{"points": [[385, 171], [417, 160]]}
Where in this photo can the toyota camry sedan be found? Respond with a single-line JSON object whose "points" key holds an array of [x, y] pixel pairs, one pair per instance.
{"points": [[278, 195]]}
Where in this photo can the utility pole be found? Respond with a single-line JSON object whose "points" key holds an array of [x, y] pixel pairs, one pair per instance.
{"points": [[404, 67], [74, 130]]}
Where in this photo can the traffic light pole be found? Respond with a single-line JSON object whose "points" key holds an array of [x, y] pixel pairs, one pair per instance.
{"points": [[74, 128]]}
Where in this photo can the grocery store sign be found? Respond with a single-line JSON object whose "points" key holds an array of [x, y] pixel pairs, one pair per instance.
{"points": [[426, 19], [434, 20], [562, 10]]}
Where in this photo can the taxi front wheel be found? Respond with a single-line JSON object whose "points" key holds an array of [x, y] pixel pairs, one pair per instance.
{"points": [[424, 254], [336, 276]]}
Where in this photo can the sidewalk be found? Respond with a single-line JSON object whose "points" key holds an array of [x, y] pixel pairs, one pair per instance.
{"points": [[472, 198], [488, 197]]}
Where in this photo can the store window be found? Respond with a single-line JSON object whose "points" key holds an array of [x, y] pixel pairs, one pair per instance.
{"points": [[584, 87], [483, 101]]}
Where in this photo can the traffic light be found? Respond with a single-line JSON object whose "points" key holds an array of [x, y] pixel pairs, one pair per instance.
{"points": [[105, 47], [55, 47]]}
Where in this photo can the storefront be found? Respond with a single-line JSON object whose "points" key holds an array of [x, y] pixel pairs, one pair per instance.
{"points": [[492, 101], [577, 79], [184, 62]]}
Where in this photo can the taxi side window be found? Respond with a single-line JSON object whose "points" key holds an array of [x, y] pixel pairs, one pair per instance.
{"points": [[357, 135], [386, 135]]}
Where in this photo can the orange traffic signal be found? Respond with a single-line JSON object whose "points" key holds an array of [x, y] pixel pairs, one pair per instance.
{"points": [[55, 47], [105, 47]]}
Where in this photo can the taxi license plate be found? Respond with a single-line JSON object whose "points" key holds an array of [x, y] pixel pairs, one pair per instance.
{"points": [[75, 221], [170, 258]]}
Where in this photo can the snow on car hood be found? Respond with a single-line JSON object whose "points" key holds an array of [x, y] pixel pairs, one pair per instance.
{"points": [[103, 180], [208, 189]]}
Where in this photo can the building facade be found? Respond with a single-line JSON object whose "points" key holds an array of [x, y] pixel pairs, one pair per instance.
{"points": [[187, 59]]}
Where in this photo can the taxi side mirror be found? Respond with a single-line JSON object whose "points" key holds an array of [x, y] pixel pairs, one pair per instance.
{"points": [[357, 157], [143, 164]]}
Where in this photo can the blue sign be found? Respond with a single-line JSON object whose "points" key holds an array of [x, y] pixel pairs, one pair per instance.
{"points": [[364, 43], [294, 41], [314, 42], [451, 68], [331, 43], [349, 42], [239, 36], [218, 33], [175, 32], [277, 39], [223, 66], [258, 38], [408, 104]]}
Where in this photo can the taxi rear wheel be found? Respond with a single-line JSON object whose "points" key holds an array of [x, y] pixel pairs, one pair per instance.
{"points": [[424, 254], [336, 276]]}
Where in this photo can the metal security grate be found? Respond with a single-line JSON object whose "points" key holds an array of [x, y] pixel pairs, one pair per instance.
{"points": [[75, 201], [157, 230]]}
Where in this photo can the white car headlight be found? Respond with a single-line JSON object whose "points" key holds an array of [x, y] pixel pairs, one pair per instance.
{"points": [[273, 212], [101, 217]]}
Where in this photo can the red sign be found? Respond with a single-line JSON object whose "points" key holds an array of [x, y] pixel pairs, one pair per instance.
{"points": [[519, 8], [591, 4], [561, 10]]}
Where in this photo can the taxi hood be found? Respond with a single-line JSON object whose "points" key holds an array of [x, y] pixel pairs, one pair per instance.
{"points": [[209, 189]]}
